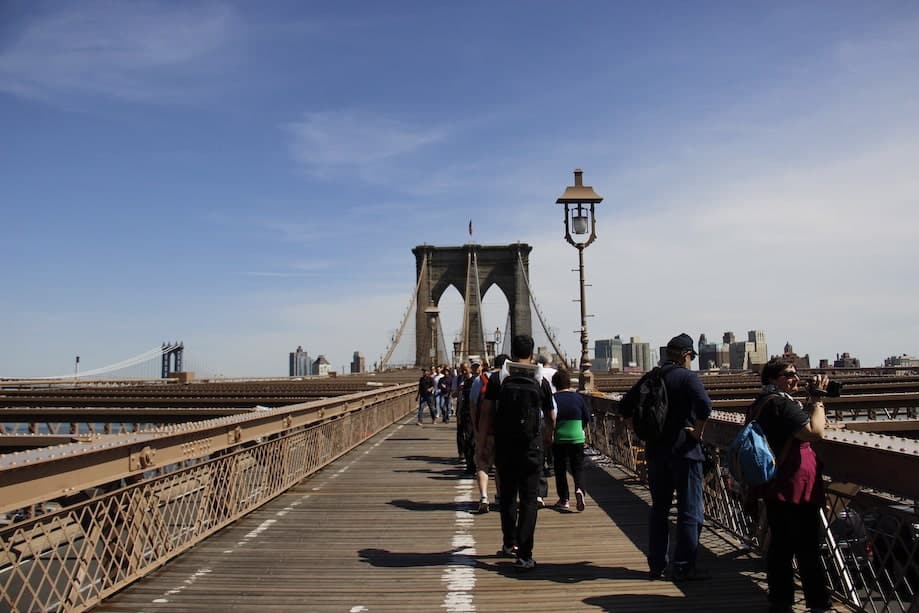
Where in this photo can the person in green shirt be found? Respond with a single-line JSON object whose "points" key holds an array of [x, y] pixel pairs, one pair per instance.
{"points": [[571, 420]]}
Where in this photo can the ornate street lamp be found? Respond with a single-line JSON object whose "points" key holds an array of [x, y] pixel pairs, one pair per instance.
{"points": [[580, 219], [433, 313]]}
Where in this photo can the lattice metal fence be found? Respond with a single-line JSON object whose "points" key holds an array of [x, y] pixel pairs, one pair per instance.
{"points": [[70, 558], [871, 541]]}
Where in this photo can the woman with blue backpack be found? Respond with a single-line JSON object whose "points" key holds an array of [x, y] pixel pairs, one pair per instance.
{"points": [[794, 497]]}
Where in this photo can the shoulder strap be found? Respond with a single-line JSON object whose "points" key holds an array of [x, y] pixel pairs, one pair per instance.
{"points": [[760, 403], [758, 406]]}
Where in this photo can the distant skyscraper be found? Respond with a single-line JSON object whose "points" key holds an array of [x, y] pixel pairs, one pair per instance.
{"points": [[608, 354], [708, 354], [358, 364], [637, 355], [759, 355], [742, 355], [300, 364], [321, 366]]}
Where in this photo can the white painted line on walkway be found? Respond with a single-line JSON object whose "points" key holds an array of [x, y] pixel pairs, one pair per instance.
{"points": [[459, 576]]}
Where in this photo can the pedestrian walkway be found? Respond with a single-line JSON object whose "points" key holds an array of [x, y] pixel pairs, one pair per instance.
{"points": [[390, 526]]}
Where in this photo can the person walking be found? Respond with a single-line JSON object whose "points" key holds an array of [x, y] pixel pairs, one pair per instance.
{"points": [[518, 397], [436, 375], [484, 427], [465, 441], [795, 496], [445, 389], [675, 464], [426, 396], [544, 359], [571, 421]]}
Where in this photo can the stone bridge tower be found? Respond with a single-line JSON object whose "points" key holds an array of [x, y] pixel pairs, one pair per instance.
{"points": [[504, 266]]}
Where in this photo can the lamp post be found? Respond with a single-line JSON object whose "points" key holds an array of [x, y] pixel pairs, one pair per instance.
{"points": [[433, 312], [580, 201]]}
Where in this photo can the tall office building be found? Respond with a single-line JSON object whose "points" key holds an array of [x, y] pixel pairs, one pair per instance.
{"points": [[759, 355], [636, 355], [300, 363], [321, 366], [358, 364], [712, 355], [742, 355], [608, 354]]}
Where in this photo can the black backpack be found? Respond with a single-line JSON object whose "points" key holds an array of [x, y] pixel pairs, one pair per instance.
{"points": [[518, 411], [649, 413]]}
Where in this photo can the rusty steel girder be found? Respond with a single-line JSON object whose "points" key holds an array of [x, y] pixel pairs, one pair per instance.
{"points": [[872, 460], [39, 475]]}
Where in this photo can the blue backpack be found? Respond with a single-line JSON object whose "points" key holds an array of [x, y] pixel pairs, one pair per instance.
{"points": [[750, 459]]}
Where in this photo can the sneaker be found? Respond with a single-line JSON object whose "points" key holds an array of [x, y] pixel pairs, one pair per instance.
{"points": [[483, 504], [507, 552], [579, 496], [524, 564], [540, 503], [655, 575], [419, 423], [562, 504]]}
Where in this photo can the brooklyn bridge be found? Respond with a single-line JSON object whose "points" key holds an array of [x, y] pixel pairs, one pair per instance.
{"points": [[186, 493]]}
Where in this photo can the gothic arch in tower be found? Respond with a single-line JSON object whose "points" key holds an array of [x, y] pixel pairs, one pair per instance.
{"points": [[472, 269]]}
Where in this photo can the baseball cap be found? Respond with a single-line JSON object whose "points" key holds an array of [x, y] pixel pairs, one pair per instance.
{"points": [[681, 343]]}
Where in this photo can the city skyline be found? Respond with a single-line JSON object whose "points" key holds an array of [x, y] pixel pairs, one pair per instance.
{"points": [[250, 177]]}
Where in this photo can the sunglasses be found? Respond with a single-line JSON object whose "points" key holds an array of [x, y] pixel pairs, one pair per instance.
{"points": [[789, 373]]}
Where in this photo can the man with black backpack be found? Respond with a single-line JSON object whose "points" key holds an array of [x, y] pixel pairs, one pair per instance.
{"points": [[668, 408], [520, 403]]}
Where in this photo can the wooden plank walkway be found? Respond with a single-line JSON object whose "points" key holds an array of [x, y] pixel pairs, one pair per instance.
{"points": [[388, 527]]}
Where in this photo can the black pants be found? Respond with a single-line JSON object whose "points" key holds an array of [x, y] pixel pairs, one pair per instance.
{"points": [[519, 471], [568, 456], [465, 439], [795, 532]]}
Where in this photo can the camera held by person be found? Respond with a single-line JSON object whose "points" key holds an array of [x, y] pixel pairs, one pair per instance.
{"points": [[821, 386]]}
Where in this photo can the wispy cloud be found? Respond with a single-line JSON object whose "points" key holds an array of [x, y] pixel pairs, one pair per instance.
{"points": [[136, 51], [326, 141]]}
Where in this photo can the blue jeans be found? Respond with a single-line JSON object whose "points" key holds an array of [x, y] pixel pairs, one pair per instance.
{"points": [[443, 403], [666, 475]]}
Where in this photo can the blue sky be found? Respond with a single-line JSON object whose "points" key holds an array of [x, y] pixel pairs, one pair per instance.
{"points": [[249, 177]]}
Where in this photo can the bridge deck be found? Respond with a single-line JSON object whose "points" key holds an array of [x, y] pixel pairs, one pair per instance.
{"points": [[387, 527]]}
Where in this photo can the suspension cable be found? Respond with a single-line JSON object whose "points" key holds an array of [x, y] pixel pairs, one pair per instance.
{"points": [[555, 344], [408, 312], [148, 355]]}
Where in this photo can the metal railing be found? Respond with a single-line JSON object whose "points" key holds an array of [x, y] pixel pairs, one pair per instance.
{"points": [[871, 522], [88, 519]]}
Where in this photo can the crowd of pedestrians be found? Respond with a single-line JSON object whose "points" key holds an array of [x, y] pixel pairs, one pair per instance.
{"points": [[547, 430]]}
